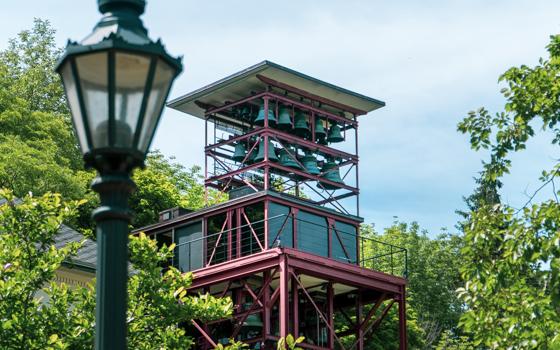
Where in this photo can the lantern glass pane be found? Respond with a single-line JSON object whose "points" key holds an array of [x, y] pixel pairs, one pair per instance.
{"points": [[131, 72], [92, 70], [69, 82], [163, 78]]}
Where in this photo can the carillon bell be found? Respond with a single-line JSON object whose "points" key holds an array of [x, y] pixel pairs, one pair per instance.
{"points": [[320, 132], [260, 117], [284, 118], [271, 152], [245, 113], [239, 152], [310, 163], [331, 173], [335, 134], [287, 160], [301, 126]]}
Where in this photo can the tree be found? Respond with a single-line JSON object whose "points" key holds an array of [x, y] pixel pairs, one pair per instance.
{"points": [[157, 303], [512, 256], [38, 148], [27, 70], [165, 184], [433, 277]]}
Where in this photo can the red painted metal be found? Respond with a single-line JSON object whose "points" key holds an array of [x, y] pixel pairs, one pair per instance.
{"points": [[309, 95], [252, 230], [284, 295], [204, 333], [328, 323], [280, 280]]}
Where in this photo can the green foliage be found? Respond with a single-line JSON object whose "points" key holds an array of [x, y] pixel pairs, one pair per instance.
{"points": [[449, 341], [28, 261], [158, 303], [28, 72], [289, 343], [64, 317], [165, 184], [433, 277], [233, 345], [512, 256], [38, 151]]}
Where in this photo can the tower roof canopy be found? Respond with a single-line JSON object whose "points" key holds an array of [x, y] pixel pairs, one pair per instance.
{"points": [[257, 77]]}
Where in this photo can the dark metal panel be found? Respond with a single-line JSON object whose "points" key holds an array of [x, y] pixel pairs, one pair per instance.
{"points": [[313, 233], [189, 247]]}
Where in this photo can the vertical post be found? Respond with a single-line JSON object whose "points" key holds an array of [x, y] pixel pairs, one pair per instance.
{"points": [[266, 166], [266, 160], [330, 314], [294, 227], [112, 219], [358, 245], [295, 309], [359, 318], [330, 225], [403, 343], [205, 160], [238, 240], [312, 121], [267, 307], [284, 297], [266, 113], [357, 168], [229, 235], [205, 241], [266, 225]]}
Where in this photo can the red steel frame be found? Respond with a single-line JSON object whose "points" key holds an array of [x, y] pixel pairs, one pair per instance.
{"points": [[231, 176], [287, 266], [278, 279]]}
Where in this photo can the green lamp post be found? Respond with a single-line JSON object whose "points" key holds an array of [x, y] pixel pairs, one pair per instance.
{"points": [[116, 81]]}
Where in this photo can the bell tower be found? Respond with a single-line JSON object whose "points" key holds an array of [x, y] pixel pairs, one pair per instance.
{"points": [[286, 245]]}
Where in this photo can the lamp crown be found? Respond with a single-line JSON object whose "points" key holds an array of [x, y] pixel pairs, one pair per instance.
{"points": [[136, 6]]}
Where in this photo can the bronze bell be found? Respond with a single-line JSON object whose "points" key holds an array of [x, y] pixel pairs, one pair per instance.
{"points": [[301, 126], [260, 116], [286, 160], [271, 152], [320, 132], [284, 118], [335, 134], [239, 152], [330, 172], [310, 163]]}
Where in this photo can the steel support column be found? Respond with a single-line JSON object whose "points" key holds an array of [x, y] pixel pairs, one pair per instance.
{"points": [[284, 296]]}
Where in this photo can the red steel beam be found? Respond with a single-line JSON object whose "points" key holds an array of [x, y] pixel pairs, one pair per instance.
{"points": [[303, 93], [204, 334], [284, 309], [328, 323], [345, 273], [235, 269]]}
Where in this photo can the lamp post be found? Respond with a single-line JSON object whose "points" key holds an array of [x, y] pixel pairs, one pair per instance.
{"points": [[116, 81]]}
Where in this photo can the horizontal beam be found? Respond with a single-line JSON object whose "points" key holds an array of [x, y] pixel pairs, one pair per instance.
{"points": [[310, 96], [235, 269], [352, 275]]}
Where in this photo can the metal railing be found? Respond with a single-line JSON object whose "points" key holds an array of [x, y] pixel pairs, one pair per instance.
{"points": [[349, 247]]}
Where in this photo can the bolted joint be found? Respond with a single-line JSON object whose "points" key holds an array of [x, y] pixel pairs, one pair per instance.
{"points": [[136, 6], [114, 191]]}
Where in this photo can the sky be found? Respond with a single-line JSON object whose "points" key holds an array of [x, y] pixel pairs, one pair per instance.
{"points": [[430, 61]]}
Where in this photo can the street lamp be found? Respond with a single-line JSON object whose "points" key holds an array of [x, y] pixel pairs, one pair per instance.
{"points": [[117, 81]]}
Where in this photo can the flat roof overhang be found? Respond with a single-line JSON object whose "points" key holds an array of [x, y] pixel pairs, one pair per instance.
{"points": [[238, 85]]}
